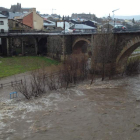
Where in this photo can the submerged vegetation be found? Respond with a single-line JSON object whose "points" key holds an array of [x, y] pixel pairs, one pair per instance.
{"points": [[74, 70], [133, 65]]}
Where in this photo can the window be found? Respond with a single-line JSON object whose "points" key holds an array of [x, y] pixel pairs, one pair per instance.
{"points": [[1, 23], [16, 24], [2, 30]]}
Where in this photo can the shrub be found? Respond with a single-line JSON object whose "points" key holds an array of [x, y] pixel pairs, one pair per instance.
{"points": [[74, 69], [132, 66]]}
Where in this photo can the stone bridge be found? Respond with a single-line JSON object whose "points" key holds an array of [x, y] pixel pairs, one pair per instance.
{"points": [[52, 44], [60, 46]]}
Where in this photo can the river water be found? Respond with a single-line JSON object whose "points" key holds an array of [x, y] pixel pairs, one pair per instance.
{"points": [[108, 110]]}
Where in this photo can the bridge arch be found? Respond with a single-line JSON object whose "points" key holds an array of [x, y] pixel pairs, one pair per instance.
{"points": [[81, 45], [128, 49], [30, 45], [22, 45], [42, 46]]}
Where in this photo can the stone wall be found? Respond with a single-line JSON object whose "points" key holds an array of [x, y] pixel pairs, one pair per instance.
{"points": [[16, 25], [68, 44], [54, 46]]}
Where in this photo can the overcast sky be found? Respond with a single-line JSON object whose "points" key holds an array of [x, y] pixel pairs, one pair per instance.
{"points": [[66, 7]]}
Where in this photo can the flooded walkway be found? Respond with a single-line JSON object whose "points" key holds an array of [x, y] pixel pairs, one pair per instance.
{"points": [[108, 110]]}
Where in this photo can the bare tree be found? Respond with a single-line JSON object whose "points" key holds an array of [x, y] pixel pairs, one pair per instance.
{"points": [[23, 88], [72, 71], [104, 54]]}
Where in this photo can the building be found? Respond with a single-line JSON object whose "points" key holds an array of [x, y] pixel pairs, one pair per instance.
{"points": [[83, 28], [15, 8], [47, 24], [109, 26], [3, 23], [32, 19], [86, 22], [15, 25], [3, 28], [64, 24], [83, 16], [12, 15]]}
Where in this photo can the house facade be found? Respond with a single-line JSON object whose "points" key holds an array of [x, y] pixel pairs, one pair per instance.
{"points": [[16, 25], [32, 19], [83, 15], [37, 20], [3, 28], [3, 23], [64, 24]]}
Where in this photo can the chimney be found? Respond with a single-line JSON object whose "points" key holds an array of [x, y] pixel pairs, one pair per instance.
{"points": [[32, 10]]}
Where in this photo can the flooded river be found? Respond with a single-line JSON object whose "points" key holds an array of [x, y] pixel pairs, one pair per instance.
{"points": [[108, 110]]}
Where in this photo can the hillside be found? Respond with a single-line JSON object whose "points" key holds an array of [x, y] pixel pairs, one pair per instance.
{"points": [[136, 17]]}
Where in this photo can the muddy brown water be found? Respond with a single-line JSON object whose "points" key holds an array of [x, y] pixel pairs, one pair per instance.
{"points": [[108, 110]]}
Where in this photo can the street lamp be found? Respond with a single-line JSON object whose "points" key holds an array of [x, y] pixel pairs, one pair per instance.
{"points": [[113, 15], [108, 21], [64, 26]]}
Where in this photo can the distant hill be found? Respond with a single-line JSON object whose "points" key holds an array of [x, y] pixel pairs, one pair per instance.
{"points": [[3, 9], [136, 17]]}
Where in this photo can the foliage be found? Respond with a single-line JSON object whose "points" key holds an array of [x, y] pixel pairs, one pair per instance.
{"points": [[75, 68], [55, 46], [133, 20], [132, 66]]}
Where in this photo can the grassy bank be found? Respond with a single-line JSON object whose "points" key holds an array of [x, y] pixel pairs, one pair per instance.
{"points": [[14, 65], [133, 65]]}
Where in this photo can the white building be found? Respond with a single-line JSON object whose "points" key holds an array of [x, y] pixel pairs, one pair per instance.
{"points": [[48, 23], [61, 24], [3, 23]]}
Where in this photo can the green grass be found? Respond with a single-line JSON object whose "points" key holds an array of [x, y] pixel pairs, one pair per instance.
{"points": [[132, 59], [15, 65], [137, 50]]}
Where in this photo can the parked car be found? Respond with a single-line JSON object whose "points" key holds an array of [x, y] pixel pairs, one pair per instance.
{"points": [[119, 28], [67, 31], [77, 31]]}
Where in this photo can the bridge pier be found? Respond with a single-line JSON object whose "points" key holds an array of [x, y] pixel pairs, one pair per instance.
{"points": [[36, 45], [4, 46], [22, 46], [10, 46], [7, 46], [92, 38], [63, 49]]}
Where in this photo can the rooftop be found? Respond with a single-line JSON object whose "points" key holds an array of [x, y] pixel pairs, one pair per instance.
{"points": [[2, 16], [82, 26], [16, 14]]}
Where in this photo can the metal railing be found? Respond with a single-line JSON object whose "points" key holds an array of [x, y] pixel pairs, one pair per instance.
{"points": [[31, 32], [12, 83]]}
